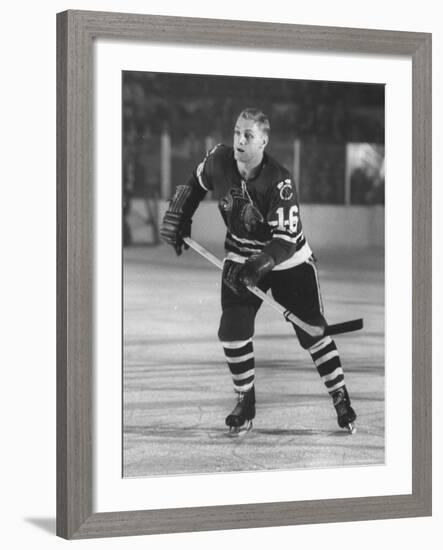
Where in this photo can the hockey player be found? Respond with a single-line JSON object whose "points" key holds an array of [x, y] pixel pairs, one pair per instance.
{"points": [[265, 246]]}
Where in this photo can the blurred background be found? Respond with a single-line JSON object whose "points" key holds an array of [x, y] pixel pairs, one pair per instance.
{"points": [[330, 135]]}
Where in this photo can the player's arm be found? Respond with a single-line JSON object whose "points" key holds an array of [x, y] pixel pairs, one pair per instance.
{"points": [[284, 220], [177, 220]]}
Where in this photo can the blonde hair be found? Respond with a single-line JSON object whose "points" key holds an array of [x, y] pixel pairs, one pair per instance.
{"points": [[258, 117]]}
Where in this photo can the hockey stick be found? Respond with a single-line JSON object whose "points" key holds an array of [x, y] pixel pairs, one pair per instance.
{"points": [[312, 330]]}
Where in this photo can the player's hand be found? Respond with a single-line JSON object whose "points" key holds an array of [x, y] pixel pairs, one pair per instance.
{"points": [[230, 277], [172, 230], [239, 276], [255, 268]]}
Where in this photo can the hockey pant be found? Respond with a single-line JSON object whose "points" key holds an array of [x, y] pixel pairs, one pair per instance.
{"points": [[297, 289]]}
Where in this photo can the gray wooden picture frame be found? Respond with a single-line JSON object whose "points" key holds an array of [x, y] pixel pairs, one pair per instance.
{"points": [[76, 32]]}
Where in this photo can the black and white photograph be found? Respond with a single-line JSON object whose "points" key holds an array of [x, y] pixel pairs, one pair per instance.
{"points": [[220, 295], [253, 247]]}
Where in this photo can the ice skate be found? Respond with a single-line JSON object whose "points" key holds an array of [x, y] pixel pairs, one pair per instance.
{"points": [[240, 419], [345, 413]]}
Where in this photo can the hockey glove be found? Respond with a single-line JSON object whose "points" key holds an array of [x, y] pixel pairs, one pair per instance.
{"points": [[230, 277], [173, 229], [176, 224], [255, 268], [239, 276]]}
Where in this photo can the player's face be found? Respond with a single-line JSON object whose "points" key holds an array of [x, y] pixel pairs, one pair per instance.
{"points": [[249, 141]]}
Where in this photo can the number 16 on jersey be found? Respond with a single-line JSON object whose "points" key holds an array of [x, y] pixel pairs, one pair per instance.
{"points": [[290, 221]]}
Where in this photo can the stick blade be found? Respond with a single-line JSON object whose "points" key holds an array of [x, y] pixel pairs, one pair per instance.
{"points": [[347, 326]]}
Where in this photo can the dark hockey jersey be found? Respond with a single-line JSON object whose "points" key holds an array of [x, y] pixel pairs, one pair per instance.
{"points": [[273, 193]]}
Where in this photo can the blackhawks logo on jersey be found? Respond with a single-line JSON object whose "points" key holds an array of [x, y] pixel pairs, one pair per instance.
{"points": [[286, 191]]}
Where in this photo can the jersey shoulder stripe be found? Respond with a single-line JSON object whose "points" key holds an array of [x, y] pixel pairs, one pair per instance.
{"points": [[245, 241], [210, 165], [286, 237]]}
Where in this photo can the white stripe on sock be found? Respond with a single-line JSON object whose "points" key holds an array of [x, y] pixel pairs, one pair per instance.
{"points": [[326, 357], [334, 374], [320, 345], [243, 375], [239, 359], [245, 388], [338, 385], [236, 344]]}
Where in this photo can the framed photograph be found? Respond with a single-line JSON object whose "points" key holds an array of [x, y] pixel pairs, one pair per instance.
{"points": [[184, 401]]}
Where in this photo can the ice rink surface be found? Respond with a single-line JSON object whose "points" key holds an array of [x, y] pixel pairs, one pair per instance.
{"points": [[178, 390]]}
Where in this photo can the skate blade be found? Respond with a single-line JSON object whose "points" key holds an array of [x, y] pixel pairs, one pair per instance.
{"points": [[239, 431], [352, 429]]}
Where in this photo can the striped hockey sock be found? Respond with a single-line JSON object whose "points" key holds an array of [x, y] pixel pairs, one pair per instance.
{"points": [[325, 356], [240, 358]]}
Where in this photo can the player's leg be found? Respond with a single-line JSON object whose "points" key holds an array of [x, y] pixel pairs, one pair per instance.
{"points": [[235, 333], [326, 358], [298, 290]]}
